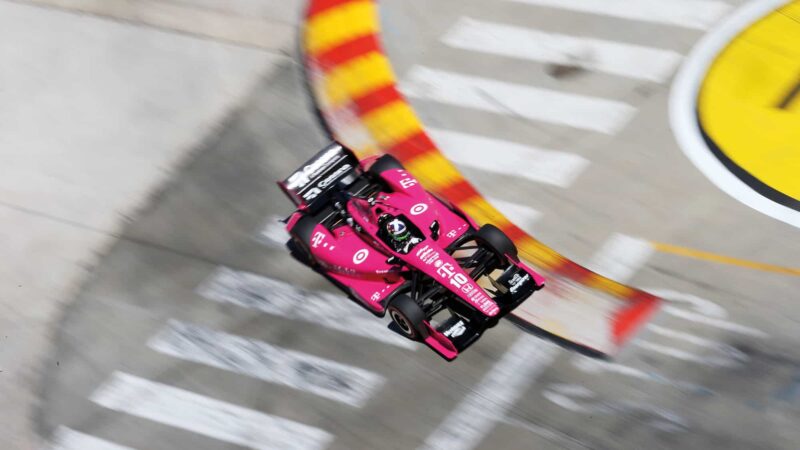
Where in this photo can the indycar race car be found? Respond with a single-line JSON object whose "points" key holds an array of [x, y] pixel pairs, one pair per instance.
{"points": [[371, 229]]}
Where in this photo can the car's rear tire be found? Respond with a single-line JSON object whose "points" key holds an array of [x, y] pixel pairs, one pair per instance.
{"points": [[301, 236], [383, 164], [497, 240], [408, 316]]}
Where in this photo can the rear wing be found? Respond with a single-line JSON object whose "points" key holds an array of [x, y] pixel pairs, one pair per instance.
{"points": [[314, 179]]}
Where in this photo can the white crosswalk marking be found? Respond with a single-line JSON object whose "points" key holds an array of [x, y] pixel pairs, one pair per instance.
{"points": [[258, 359], [65, 438], [620, 257], [206, 416], [560, 108], [488, 402], [617, 58], [509, 158], [520, 215], [270, 296], [476, 415], [697, 14]]}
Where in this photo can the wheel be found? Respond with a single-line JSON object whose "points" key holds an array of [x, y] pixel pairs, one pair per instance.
{"points": [[497, 240], [408, 316], [383, 164], [301, 235]]}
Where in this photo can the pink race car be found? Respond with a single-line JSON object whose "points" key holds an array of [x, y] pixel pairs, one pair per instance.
{"points": [[371, 229]]}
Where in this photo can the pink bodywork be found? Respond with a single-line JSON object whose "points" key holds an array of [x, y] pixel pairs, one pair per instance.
{"points": [[359, 260]]}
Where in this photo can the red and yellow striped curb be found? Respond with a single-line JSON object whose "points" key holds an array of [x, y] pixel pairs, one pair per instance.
{"points": [[355, 90]]}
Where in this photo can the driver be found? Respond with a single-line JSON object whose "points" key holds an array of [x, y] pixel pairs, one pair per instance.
{"points": [[401, 238]]}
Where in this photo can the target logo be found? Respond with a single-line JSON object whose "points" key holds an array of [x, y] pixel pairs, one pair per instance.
{"points": [[418, 209], [360, 256]]}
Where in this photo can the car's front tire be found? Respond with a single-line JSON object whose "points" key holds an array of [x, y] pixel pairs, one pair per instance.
{"points": [[495, 239], [408, 316]]}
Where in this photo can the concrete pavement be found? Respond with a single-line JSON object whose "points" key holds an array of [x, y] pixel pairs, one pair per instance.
{"points": [[95, 116], [717, 369]]}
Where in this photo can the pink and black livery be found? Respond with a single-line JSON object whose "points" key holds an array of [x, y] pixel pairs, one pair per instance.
{"points": [[375, 232]]}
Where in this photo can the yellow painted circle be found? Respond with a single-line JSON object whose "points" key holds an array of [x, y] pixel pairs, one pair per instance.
{"points": [[749, 106]]}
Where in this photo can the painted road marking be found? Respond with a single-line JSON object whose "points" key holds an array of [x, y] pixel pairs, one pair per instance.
{"points": [[753, 81], [722, 259], [704, 311], [617, 58], [598, 366], [560, 108], [278, 298], [580, 399], [727, 356], [65, 438], [697, 14], [520, 215], [509, 158], [266, 362], [683, 111], [206, 416], [273, 233], [486, 404], [620, 257]]}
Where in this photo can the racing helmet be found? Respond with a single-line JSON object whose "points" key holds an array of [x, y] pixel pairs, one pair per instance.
{"points": [[398, 230]]}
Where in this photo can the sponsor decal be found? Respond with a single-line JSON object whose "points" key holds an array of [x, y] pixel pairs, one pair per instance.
{"points": [[428, 255], [375, 296], [451, 234], [312, 193], [456, 330], [408, 182], [517, 281], [448, 271], [303, 176], [418, 209], [317, 239], [334, 176], [360, 256]]}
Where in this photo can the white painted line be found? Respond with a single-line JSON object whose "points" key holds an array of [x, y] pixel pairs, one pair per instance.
{"points": [[725, 355], [65, 438], [206, 416], [577, 398], [697, 14], [683, 111], [557, 437], [598, 366], [617, 58], [560, 108], [278, 298], [621, 257], [717, 323], [488, 402], [520, 215], [258, 359], [509, 158], [703, 311], [273, 233], [684, 355]]}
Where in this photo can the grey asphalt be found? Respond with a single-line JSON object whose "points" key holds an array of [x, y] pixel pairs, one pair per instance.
{"points": [[739, 392]]}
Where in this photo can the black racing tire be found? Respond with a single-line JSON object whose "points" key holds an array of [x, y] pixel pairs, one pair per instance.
{"points": [[384, 163], [497, 240], [408, 316], [301, 236]]}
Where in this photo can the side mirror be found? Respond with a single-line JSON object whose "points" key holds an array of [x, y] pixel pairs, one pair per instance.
{"points": [[435, 230]]}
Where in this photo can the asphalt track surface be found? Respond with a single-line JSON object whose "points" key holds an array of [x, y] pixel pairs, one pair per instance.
{"points": [[719, 368]]}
